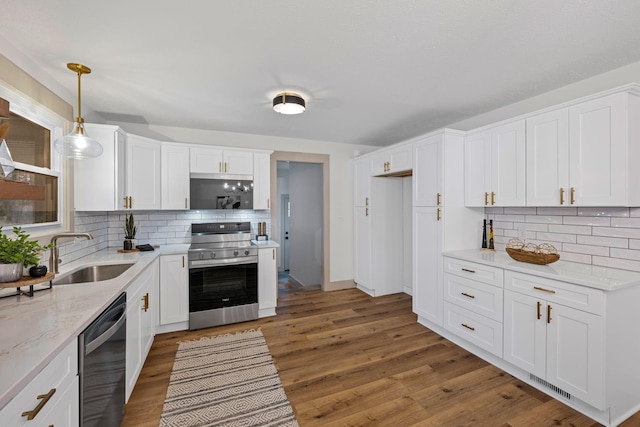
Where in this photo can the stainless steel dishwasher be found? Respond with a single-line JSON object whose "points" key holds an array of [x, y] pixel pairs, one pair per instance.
{"points": [[101, 367]]}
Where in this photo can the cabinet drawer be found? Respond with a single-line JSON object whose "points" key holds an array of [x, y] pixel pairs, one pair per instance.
{"points": [[479, 330], [59, 374], [472, 270], [580, 297], [474, 296]]}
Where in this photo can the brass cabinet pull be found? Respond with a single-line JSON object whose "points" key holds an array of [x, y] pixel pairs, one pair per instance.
{"points": [[438, 199], [493, 198], [562, 196], [366, 212], [268, 203], [274, 254], [467, 295], [573, 195], [182, 261], [538, 288], [366, 201], [45, 398], [219, 166], [467, 326], [486, 198], [225, 167], [467, 270], [145, 299], [539, 306], [438, 217], [126, 199], [185, 203], [549, 313]]}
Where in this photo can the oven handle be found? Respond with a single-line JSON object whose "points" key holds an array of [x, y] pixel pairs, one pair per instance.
{"points": [[223, 262]]}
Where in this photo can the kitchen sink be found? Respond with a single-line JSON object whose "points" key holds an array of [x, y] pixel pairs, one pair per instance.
{"points": [[93, 273]]}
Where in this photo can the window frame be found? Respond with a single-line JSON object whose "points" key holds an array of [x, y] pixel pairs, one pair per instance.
{"points": [[56, 124]]}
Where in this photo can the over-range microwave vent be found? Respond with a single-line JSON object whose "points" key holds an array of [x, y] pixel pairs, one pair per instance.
{"points": [[550, 386]]}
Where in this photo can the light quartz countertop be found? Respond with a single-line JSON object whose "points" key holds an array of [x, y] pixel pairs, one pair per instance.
{"points": [[34, 330], [265, 244], [604, 278]]}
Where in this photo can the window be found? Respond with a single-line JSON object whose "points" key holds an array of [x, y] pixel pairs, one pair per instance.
{"points": [[30, 196]]}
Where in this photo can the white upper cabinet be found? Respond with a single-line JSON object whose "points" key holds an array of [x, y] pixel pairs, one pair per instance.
{"points": [[394, 161], [261, 181], [495, 166], [548, 159], [583, 155], [143, 173], [427, 168], [100, 182], [175, 176], [216, 160]]}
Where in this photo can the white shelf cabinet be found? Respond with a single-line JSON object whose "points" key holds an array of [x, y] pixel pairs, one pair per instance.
{"points": [[100, 182], [362, 222], [267, 282], [361, 181], [174, 289], [216, 160], [495, 166], [548, 333], [392, 161], [440, 219], [175, 176], [261, 181], [142, 306], [60, 378], [143, 173]]}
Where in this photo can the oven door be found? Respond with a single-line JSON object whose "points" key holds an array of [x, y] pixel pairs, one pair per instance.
{"points": [[220, 286]]}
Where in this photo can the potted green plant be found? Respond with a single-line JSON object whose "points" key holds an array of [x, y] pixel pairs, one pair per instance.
{"points": [[130, 230], [17, 253]]}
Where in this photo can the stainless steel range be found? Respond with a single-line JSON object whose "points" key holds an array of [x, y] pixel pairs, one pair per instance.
{"points": [[223, 274]]}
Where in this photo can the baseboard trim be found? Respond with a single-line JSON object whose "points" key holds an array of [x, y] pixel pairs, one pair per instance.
{"points": [[339, 285]]}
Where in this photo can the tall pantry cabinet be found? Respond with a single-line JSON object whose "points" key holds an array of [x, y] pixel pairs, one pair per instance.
{"points": [[441, 221]]}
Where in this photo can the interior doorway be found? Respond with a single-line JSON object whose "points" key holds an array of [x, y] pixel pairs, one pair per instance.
{"points": [[315, 240]]}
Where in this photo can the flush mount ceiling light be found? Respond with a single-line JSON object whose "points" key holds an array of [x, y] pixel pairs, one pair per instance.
{"points": [[288, 103], [77, 145]]}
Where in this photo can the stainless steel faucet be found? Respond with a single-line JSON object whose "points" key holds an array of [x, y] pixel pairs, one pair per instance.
{"points": [[54, 258]]}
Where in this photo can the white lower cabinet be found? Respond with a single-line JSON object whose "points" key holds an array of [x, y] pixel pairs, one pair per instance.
{"points": [[267, 282], [55, 387], [142, 303], [555, 342], [174, 289], [427, 270]]}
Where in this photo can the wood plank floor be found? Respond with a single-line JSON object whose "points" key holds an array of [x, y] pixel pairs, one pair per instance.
{"points": [[346, 359]]}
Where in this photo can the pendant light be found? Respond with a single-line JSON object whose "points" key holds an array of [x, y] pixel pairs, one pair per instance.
{"points": [[77, 145], [288, 103]]}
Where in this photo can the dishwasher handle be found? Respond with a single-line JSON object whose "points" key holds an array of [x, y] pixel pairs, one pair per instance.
{"points": [[98, 341]]}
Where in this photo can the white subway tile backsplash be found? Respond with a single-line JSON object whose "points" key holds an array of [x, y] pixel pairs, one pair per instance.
{"points": [[603, 212], [557, 211], [625, 222], [627, 233], [611, 242], [520, 211], [570, 229], [634, 212], [598, 221], [585, 249], [573, 257], [509, 218], [556, 237], [634, 244], [625, 254], [544, 219], [493, 210], [505, 225], [624, 264]]}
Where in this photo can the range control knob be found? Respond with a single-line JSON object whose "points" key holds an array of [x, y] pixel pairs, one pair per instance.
{"points": [[235, 253], [246, 253], [213, 254], [201, 255]]}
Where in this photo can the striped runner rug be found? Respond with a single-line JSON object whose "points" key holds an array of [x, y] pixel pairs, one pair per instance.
{"points": [[227, 380]]}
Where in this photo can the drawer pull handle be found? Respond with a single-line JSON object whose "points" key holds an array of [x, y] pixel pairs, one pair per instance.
{"points": [[438, 215], [538, 288], [468, 327], [486, 198], [467, 270], [438, 199], [549, 313], [45, 398], [467, 295], [539, 306]]}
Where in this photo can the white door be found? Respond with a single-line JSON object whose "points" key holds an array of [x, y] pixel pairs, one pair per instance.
{"points": [[597, 147], [548, 159], [143, 172], [238, 162], [525, 332], [508, 165], [477, 176], [362, 246], [575, 353], [175, 176], [267, 278], [261, 181], [174, 289], [427, 172], [427, 265]]}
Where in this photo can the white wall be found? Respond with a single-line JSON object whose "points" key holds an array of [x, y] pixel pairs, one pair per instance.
{"points": [[305, 223], [340, 177]]}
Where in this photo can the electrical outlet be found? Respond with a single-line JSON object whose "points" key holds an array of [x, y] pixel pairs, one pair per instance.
{"points": [[522, 234]]}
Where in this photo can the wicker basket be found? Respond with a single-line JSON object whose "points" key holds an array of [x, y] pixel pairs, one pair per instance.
{"points": [[532, 257]]}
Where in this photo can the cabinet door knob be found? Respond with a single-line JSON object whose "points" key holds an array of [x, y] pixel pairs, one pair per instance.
{"points": [[44, 399]]}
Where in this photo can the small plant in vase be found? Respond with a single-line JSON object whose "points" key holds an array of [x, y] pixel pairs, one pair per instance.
{"points": [[17, 253], [130, 230]]}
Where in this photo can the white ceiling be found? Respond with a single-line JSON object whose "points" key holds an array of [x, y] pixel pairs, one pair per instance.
{"points": [[373, 72]]}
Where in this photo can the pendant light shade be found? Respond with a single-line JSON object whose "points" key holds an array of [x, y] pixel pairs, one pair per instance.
{"points": [[288, 103], [77, 145]]}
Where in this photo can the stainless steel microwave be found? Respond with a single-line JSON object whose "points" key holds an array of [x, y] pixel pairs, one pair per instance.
{"points": [[211, 192]]}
